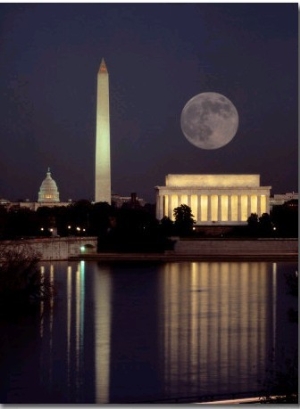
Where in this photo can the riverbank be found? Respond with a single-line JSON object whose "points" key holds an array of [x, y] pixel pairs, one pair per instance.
{"points": [[174, 257], [185, 249], [210, 249]]}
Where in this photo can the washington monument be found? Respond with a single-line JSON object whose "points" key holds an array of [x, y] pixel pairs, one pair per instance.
{"points": [[102, 165]]}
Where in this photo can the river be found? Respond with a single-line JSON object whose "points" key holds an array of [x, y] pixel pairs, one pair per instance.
{"points": [[150, 332]]}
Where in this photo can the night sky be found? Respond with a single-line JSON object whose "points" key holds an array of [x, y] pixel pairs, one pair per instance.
{"points": [[158, 57]]}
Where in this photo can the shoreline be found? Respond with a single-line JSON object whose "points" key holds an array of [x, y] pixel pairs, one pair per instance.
{"points": [[173, 257], [185, 249]]}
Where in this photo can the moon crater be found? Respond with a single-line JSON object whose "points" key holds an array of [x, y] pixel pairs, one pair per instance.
{"points": [[209, 120]]}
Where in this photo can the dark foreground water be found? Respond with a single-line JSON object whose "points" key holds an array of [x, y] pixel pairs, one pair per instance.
{"points": [[149, 332]]}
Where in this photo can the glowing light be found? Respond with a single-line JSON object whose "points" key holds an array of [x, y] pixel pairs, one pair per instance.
{"points": [[234, 208], [224, 208], [253, 208], [244, 207], [191, 344], [102, 164], [263, 208], [213, 198], [214, 207], [204, 207], [212, 180]]}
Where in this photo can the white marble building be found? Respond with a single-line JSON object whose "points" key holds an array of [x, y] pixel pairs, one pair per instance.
{"points": [[48, 195], [48, 192], [214, 199], [280, 199]]}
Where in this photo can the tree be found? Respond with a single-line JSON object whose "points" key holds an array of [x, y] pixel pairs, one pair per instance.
{"points": [[99, 219], [265, 225], [184, 220], [253, 224], [20, 222], [21, 285], [166, 226], [285, 218]]}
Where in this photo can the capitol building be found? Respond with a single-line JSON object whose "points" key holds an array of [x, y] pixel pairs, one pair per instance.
{"points": [[48, 195], [48, 192]]}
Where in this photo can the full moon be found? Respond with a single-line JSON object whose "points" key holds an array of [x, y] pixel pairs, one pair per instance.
{"points": [[209, 120]]}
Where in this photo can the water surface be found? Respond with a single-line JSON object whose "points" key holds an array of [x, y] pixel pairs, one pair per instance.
{"points": [[149, 332]]}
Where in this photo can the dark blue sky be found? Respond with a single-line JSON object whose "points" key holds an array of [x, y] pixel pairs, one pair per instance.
{"points": [[158, 57]]}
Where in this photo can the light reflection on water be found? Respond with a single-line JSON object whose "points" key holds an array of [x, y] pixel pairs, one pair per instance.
{"points": [[139, 332], [217, 333]]}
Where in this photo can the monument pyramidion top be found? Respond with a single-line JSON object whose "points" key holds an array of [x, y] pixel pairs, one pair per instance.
{"points": [[103, 67]]}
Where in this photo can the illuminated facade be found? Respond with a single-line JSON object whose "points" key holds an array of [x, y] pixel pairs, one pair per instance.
{"points": [[102, 165], [48, 195], [133, 200], [280, 199], [48, 192], [213, 199]]}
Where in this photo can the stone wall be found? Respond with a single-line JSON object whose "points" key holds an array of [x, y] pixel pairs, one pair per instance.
{"points": [[211, 247], [59, 248]]}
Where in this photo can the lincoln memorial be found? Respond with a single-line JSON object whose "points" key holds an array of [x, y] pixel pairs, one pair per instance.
{"points": [[213, 199]]}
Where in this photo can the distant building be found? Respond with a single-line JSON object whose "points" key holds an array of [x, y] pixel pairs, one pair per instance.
{"points": [[48, 195], [214, 199], [133, 200], [48, 192], [280, 199]]}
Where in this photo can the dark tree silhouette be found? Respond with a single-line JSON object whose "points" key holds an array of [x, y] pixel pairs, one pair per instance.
{"points": [[265, 225], [253, 224], [21, 285], [166, 226], [285, 219], [184, 220]]}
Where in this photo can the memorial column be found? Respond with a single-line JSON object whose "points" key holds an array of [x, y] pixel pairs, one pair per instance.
{"points": [[199, 208], [189, 199], [239, 208], [229, 208], [209, 208], [170, 210], [267, 204], [219, 208], [160, 206], [248, 205], [259, 205]]}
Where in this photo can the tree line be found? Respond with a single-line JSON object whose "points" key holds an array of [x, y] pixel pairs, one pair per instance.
{"points": [[132, 223]]}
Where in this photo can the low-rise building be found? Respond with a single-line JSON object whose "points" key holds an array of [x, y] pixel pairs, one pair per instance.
{"points": [[214, 199], [280, 199]]}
